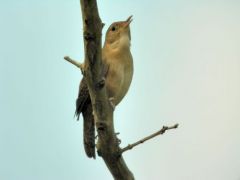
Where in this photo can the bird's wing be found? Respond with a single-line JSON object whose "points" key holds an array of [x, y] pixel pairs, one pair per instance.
{"points": [[83, 97], [84, 106]]}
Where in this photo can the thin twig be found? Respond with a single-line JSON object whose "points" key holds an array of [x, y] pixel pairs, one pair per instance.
{"points": [[78, 64], [162, 131]]}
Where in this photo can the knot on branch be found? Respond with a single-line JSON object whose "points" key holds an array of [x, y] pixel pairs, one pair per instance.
{"points": [[164, 128], [100, 84], [101, 126], [86, 21], [88, 36], [117, 154]]}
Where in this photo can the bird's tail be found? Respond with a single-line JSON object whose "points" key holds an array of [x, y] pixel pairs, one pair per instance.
{"points": [[79, 107], [84, 106], [89, 131]]}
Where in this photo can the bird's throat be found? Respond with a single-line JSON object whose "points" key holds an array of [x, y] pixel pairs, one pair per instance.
{"points": [[122, 43]]}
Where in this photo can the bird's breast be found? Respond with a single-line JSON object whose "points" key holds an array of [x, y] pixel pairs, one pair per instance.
{"points": [[119, 76]]}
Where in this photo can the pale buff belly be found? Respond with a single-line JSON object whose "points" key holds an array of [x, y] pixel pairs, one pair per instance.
{"points": [[118, 81]]}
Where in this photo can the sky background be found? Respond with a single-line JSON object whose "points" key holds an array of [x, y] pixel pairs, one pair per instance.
{"points": [[187, 71]]}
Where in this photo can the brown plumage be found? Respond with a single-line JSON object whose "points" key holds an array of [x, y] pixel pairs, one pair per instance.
{"points": [[117, 57], [84, 106]]}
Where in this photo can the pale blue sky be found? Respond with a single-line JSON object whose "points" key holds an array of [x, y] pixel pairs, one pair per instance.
{"points": [[187, 70]]}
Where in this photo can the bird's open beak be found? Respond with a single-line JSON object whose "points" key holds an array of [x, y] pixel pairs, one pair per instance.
{"points": [[128, 21]]}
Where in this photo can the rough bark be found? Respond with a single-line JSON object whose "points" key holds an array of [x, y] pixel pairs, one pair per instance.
{"points": [[107, 145]]}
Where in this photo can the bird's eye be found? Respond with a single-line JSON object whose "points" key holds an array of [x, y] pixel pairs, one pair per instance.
{"points": [[113, 28]]}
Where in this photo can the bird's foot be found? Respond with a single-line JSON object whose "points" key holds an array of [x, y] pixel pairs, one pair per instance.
{"points": [[111, 101]]}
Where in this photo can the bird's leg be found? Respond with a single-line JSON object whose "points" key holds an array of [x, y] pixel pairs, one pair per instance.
{"points": [[111, 101]]}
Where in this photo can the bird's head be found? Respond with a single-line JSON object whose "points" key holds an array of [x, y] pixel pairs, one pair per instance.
{"points": [[118, 34]]}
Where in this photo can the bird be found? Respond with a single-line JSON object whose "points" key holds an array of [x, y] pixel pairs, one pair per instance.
{"points": [[117, 57]]}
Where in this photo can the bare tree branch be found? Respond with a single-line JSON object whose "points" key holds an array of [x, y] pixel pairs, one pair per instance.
{"points": [[107, 145], [162, 131]]}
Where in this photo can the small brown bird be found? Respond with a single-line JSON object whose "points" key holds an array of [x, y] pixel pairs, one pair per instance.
{"points": [[117, 57]]}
